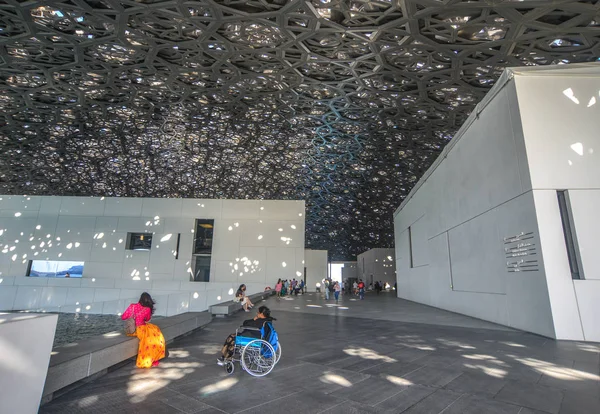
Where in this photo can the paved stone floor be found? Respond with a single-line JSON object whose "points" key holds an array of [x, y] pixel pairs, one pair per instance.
{"points": [[353, 358]]}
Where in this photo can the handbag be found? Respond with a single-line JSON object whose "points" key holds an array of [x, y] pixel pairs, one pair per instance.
{"points": [[130, 325]]}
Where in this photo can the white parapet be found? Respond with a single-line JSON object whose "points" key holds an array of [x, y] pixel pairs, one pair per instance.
{"points": [[25, 346]]}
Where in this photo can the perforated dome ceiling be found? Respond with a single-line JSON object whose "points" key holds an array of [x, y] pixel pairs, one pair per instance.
{"points": [[341, 103]]}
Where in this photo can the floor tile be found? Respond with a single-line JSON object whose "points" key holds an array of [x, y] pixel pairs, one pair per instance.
{"points": [[434, 403], [476, 384], [533, 396]]}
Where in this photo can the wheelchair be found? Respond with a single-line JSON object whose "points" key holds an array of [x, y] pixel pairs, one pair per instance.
{"points": [[257, 356]]}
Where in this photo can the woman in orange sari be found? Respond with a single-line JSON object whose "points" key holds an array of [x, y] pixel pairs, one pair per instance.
{"points": [[152, 342]]}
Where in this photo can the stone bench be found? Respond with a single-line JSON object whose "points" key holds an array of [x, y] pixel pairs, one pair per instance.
{"points": [[230, 307], [72, 364]]}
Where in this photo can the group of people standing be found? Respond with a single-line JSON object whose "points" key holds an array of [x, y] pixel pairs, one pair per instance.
{"points": [[289, 287], [332, 288]]}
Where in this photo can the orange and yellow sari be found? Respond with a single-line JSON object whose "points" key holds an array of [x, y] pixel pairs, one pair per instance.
{"points": [[152, 345]]}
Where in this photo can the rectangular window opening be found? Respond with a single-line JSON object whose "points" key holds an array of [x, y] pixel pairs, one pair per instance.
{"points": [[139, 241], [410, 248], [54, 268], [202, 250], [569, 233]]}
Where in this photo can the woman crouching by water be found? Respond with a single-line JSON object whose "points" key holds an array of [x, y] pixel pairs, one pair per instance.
{"points": [[152, 342]]}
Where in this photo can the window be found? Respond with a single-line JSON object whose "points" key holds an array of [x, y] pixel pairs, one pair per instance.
{"points": [[201, 266], [202, 250], [203, 236], [410, 248], [568, 231], [54, 268], [139, 241]]}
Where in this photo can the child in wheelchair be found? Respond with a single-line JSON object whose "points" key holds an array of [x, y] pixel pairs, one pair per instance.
{"points": [[254, 331]]}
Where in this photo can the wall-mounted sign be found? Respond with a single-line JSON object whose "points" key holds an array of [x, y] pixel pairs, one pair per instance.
{"points": [[520, 252]]}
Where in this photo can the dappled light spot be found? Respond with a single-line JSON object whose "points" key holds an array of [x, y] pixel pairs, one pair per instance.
{"points": [[329, 378], [88, 401], [111, 334], [492, 372], [555, 371], [140, 390], [209, 349], [480, 357], [455, 344], [314, 306], [367, 353], [513, 344], [398, 380], [179, 353], [219, 386]]}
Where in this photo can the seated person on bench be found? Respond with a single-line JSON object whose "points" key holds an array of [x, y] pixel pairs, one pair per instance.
{"points": [[240, 296], [263, 315]]}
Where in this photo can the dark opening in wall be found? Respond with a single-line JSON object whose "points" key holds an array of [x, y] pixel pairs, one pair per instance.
{"points": [[569, 233], [202, 250], [139, 241]]}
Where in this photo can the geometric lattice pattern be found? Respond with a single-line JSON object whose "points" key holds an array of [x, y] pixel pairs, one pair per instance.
{"points": [[343, 103]]}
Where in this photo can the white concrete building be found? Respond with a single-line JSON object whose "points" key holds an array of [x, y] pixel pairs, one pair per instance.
{"points": [[377, 264], [254, 242], [504, 226]]}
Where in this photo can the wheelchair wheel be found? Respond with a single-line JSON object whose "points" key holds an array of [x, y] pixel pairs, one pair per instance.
{"points": [[229, 367], [258, 358], [278, 352]]}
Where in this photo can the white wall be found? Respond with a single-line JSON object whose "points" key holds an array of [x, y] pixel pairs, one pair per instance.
{"points": [[535, 133], [377, 264], [254, 242], [561, 120], [478, 194], [25, 345], [316, 267]]}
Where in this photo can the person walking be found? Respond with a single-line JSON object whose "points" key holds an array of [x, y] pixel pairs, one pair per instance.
{"points": [[336, 291], [361, 289], [278, 288]]}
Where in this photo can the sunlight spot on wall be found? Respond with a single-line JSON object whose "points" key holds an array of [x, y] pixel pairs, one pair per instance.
{"points": [[166, 237], [88, 307], [298, 274], [38, 227], [60, 255], [230, 292], [260, 236], [280, 229], [262, 208], [578, 148], [17, 214], [293, 227], [93, 279], [14, 257], [571, 95], [592, 102], [218, 297], [283, 264], [229, 228]]}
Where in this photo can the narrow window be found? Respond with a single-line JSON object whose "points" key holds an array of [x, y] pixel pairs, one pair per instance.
{"points": [[410, 247], [568, 231], [139, 241], [202, 250]]}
